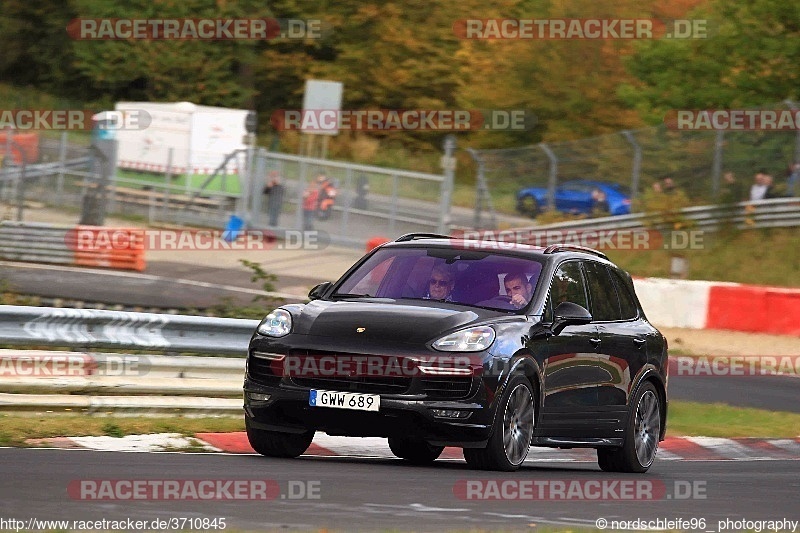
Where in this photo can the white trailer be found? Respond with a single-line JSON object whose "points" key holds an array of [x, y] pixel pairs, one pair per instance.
{"points": [[200, 137]]}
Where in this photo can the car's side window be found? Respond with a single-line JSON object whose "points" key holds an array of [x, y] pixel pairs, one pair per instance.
{"points": [[627, 304], [568, 285], [605, 303]]}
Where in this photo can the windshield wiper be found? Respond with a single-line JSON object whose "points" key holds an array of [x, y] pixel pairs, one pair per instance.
{"points": [[348, 295]]}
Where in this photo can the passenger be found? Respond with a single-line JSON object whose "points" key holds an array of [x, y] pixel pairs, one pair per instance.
{"points": [[518, 288]]}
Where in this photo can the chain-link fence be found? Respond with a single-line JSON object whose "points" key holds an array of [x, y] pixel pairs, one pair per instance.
{"points": [[635, 161], [349, 202]]}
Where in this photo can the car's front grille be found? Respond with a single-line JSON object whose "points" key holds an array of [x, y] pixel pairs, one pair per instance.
{"points": [[369, 384], [331, 377], [441, 388]]}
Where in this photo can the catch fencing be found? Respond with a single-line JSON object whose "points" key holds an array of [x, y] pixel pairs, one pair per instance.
{"points": [[696, 161], [370, 201]]}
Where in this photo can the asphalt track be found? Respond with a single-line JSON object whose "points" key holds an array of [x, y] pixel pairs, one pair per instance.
{"points": [[383, 494]]}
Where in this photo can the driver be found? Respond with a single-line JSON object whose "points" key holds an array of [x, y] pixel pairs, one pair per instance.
{"points": [[518, 288], [440, 284]]}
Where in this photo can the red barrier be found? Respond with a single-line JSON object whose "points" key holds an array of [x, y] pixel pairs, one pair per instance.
{"points": [[754, 308], [25, 147], [374, 242]]}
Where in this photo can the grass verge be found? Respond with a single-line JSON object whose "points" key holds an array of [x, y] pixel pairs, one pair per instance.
{"points": [[721, 420], [15, 429], [685, 418]]}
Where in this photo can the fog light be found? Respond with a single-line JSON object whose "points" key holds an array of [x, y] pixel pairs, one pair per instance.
{"points": [[450, 413], [257, 396]]}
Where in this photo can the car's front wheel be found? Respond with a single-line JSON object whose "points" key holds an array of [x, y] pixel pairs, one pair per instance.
{"points": [[513, 428], [276, 444], [527, 205], [641, 436], [414, 451]]}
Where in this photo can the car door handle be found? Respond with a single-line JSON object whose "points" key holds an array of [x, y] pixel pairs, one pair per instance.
{"points": [[639, 342], [594, 342]]}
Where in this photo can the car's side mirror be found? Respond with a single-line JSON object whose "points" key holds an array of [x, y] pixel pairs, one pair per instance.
{"points": [[569, 314], [317, 292]]}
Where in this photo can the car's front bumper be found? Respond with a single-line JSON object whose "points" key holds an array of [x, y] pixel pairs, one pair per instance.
{"points": [[288, 410]]}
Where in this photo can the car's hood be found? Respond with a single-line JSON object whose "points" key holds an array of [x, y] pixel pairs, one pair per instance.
{"points": [[386, 320]]}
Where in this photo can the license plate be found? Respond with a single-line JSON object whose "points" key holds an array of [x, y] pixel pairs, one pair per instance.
{"points": [[344, 400]]}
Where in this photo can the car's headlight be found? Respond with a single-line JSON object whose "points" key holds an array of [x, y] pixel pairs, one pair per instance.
{"points": [[276, 324], [467, 340]]}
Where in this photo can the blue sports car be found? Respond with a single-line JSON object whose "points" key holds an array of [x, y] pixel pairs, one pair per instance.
{"points": [[577, 196]]}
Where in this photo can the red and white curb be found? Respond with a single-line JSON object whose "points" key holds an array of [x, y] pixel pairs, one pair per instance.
{"points": [[671, 449]]}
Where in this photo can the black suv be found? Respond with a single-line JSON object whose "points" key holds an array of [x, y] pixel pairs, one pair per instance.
{"points": [[434, 341]]}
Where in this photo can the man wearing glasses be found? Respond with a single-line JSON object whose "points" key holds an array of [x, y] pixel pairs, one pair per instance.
{"points": [[440, 284]]}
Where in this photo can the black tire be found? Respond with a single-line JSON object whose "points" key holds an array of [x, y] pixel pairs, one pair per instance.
{"points": [[527, 205], [512, 432], [276, 444], [641, 435], [414, 451]]}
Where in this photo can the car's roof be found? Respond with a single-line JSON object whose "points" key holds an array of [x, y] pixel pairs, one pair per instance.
{"points": [[541, 253]]}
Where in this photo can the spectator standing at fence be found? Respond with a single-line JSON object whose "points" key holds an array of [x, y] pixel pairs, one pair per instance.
{"points": [[310, 196], [731, 189], [326, 198], [793, 179], [274, 191], [668, 186], [762, 187]]}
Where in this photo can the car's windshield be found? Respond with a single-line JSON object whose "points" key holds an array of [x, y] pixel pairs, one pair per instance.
{"points": [[476, 278]]}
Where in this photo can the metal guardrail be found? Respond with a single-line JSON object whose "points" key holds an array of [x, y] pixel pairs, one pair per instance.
{"points": [[772, 213], [93, 328], [101, 383], [38, 170]]}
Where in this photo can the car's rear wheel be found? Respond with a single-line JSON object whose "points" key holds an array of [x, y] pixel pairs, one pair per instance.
{"points": [[277, 444], [414, 451], [527, 205], [512, 432], [641, 436]]}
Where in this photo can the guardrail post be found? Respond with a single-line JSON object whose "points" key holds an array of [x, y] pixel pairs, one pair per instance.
{"points": [[348, 184], [636, 167], [168, 179], [793, 106], [62, 157], [449, 167], [717, 168], [393, 206], [553, 179]]}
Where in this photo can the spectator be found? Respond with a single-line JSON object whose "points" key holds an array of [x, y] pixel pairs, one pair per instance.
{"points": [[762, 187], [326, 197], [274, 190], [794, 177], [731, 190], [668, 186], [310, 196], [599, 201]]}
